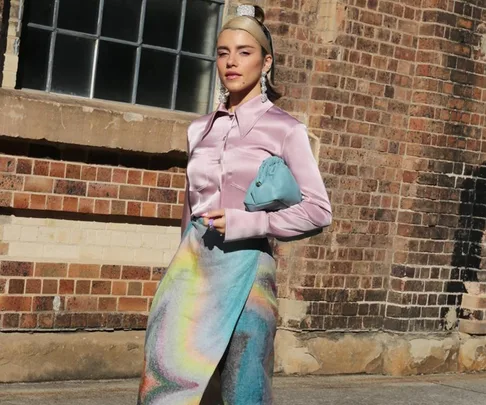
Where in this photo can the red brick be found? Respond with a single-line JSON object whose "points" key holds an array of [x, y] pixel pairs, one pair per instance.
{"points": [[70, 187], [50, 270], [11, 182], [84, 271], [104, 174], [86, 205], [54, 203], [102, 207], [134, 177], [128, 304], [118, 207], [21, 200], [107, 304], [80, 304], [178, 181], [134, 208], [24, 166], [57, 169], [149, 289], [110, 271], [163, 180], [33, 286], [73, 171], [134, 193], [101, 287], [134, 288], [135, 273], [70, 204], [49, 286], [149, 178], [66, 287], [38, 202], [16, 269], [119, 288], [11, 321], [17, 304], [41, 168], [101, 190], [28, 321], [149, 210], [16, 286], [83, 287], [45, 321], [163, 210], [6, 199], [176, 212], [3, 285], [120, 176], [7, 164], [88, 172]]}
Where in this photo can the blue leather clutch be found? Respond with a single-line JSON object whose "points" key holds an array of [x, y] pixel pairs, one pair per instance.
{"points": [[274, 187]]}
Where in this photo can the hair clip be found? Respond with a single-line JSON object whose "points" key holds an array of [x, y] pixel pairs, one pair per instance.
{"points": [[245, 10]]}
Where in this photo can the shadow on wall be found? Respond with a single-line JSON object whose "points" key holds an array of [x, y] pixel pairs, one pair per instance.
{"points": [[466, 256]]}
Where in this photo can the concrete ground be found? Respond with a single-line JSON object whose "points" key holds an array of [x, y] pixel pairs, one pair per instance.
{"points": [[335, 390]]}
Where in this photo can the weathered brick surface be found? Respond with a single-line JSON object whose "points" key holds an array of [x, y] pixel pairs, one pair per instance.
{"points": [[394, 91], [75, 296], [27, 183]]}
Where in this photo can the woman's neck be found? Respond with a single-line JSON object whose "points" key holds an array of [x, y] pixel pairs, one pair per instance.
{"points": [[236, 99]]}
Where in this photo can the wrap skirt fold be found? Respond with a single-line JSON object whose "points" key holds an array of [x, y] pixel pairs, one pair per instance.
{"points": [[216, 305]]}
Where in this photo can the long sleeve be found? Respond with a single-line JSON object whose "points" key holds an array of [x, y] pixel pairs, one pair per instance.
{"points": [[186, 210], [312, 213]]}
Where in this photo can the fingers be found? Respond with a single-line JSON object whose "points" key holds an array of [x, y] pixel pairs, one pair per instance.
{"points": [[218, 220], [214, 214]]}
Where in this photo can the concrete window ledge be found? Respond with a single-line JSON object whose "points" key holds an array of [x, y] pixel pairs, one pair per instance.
{"points": [[56, 118]]}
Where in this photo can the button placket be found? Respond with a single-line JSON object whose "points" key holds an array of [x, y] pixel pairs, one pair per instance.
{"points": [[223, 150]]}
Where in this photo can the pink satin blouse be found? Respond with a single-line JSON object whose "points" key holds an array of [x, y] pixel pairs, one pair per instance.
{"points": [[225, 151]]}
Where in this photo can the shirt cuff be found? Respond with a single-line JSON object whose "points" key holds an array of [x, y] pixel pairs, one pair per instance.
{"points": [[245, 225]]}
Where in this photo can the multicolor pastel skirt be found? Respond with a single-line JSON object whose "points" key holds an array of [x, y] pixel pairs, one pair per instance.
{"points": [[215, 309]]}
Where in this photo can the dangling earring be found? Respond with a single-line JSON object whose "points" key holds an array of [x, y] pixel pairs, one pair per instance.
{"points": [[223, 93], [263, 84]]}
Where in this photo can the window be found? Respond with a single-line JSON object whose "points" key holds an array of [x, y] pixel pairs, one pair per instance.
{"points": [[153, 52]]}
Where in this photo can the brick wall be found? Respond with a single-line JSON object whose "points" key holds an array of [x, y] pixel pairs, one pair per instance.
{"points": [[394, 93], [397, 101]]}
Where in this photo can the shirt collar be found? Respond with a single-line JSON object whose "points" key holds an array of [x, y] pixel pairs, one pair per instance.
{"points": [[247, 114]]}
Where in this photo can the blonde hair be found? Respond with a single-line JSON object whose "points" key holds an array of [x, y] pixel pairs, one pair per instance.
{"points": [[255, 27]]}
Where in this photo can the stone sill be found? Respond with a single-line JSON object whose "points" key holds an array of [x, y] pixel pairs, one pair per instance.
{"points": [[111, 355], [37, 115]]}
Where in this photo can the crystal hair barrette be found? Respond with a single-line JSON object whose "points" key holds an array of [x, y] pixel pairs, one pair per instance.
{"points": [[245, 10]]}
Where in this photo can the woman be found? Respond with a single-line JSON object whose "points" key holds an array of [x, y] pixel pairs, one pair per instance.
{"points": [[215, 309]]}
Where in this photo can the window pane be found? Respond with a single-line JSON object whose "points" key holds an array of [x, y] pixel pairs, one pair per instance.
{"points": [[156, 78], [34, 58], [73, 60], [39, 11], [78, 15], [121, 19], [162, 23], [194, 85], [114, 75], [200, 27]]}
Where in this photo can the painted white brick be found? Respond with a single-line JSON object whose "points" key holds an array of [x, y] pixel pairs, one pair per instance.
{"points": [[91, 254], [134, 240], [60, 251], [112, 254], [118, 238], [25, 250], [29, 233], [11, 232]]}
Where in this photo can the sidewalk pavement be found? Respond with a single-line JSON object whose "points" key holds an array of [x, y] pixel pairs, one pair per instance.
{"points": [[452, 389]]}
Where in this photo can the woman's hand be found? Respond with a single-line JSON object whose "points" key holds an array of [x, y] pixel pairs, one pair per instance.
{"points": [[218, 220]]}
